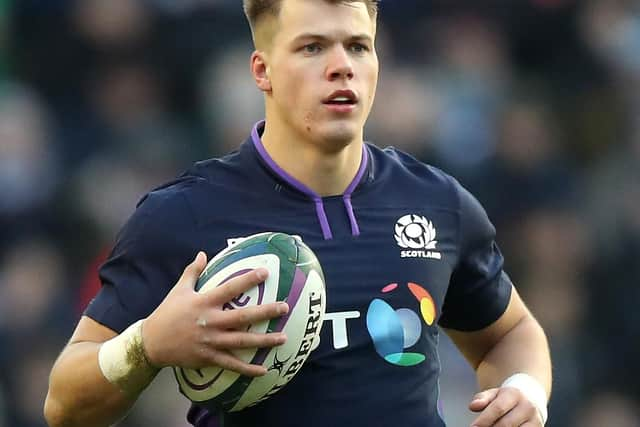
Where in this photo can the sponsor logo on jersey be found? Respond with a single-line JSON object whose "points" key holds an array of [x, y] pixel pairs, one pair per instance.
{"points": [[394, 331], [416, 235]]}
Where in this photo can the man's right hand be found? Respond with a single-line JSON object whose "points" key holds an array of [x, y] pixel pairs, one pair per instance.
{"points": [[191, 330]]}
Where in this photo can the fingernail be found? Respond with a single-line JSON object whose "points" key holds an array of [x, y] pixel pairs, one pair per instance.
{"points": [[261, 273], [283, 307], [282, 338]]}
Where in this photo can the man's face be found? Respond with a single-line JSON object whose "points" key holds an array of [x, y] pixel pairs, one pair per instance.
{"points": [[323, 70]]}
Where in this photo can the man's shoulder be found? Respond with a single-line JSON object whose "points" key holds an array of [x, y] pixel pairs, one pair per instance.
{"points": [[391, 159], [423, 182], [202, 177], [397, 169], [209, 189]]}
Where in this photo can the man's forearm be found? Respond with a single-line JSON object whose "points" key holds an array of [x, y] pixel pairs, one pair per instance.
{"points": [[79, 394], [523, 349]]}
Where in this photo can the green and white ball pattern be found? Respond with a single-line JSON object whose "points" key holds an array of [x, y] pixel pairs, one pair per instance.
{"points": [[295, 276]]}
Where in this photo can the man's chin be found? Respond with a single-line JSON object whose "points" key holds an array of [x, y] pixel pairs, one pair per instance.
{"points": [[339, 135]]}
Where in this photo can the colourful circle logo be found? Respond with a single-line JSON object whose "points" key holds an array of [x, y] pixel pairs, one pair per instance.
{"points": [[393, 331]]}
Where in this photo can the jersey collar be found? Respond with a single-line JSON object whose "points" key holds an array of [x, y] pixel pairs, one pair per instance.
{"points": [[362, 175]]}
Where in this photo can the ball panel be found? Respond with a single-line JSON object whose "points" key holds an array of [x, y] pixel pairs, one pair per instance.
{"points": [[295, 276], [263, 293], [302, 329], [213, 382], [234, 255], [286, 248], [308, 262], [295, 290], [197, 384]]}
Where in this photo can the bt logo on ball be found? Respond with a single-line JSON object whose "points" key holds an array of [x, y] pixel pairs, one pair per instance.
{"points": [[392, 330]]}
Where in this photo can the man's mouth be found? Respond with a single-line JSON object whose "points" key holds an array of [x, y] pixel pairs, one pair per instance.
{"points": [[342, 97]]}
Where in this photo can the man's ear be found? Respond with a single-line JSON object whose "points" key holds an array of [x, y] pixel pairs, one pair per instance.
{"points": [[260, 71]]}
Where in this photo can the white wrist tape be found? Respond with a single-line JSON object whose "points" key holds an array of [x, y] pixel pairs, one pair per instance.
{"points": [[532, 389], [123, 361]]}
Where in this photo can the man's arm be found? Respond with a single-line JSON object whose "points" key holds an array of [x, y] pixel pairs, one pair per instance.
{"points": [[79, 394], [187, 329], [515, 343]]}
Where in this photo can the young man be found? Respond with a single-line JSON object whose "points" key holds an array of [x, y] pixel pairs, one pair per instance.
{"points": [[392, 234]]}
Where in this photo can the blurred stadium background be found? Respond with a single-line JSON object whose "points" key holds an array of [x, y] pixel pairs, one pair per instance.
{"points": [[533, 104]]}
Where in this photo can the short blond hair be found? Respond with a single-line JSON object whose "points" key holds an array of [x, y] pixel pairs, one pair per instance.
{"points": [[256, 10]]}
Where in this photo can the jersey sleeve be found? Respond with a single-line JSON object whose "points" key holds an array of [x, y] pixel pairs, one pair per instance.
{"points": [[479, 289], [150, 253]]}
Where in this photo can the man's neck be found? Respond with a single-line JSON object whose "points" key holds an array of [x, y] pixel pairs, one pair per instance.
{"points": [[326, 173]]}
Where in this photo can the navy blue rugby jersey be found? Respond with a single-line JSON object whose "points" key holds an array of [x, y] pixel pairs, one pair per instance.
{"points": [[405, 249]]}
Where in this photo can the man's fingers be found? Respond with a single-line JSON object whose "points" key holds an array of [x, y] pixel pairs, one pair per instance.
{"points": [[482, 399], [226, 360], [522, 413], [237, 286], [236, 340], [242, 317], [503, 403], [192, 271]]}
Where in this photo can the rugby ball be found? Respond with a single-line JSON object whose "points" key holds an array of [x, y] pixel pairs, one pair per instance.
{"points": [[295, 276]]}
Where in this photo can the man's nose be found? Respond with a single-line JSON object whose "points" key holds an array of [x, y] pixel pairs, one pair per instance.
{"points": [[340, 65]]}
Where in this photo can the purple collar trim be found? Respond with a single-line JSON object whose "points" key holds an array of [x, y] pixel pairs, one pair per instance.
{"points": [[355, 230], [317, 199]]}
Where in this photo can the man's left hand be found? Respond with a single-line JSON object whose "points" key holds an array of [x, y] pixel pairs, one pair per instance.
{"points": [[504, 407]]}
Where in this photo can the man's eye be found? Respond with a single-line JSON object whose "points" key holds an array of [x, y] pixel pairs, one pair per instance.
{"points": [[312, 48], [359, 48]]}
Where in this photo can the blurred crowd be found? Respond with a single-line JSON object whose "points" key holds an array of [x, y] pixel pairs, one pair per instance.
{"points": [[533, 104]]}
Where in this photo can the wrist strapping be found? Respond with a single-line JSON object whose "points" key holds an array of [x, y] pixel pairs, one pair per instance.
{"points": [[123, 361], [532, 389]]}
